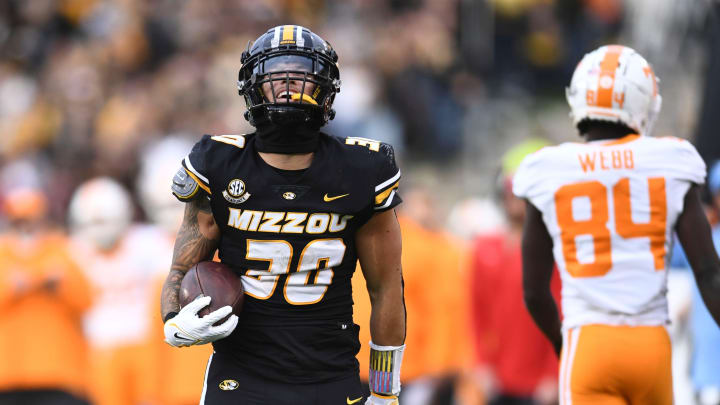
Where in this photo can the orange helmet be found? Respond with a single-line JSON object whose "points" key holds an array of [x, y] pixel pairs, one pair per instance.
{"points": [[25, 203]]}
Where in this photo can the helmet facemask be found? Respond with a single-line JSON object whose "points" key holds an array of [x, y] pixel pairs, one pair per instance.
{"points": [[289, 87]]}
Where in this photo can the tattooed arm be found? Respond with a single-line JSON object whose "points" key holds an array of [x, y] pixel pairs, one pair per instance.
{"points": [[196, 241]]}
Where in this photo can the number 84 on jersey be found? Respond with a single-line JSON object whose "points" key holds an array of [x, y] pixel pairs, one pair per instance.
{"points": [[589, 213]]}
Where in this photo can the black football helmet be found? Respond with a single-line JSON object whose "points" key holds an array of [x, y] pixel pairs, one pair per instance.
{"points": [[289, 76]]}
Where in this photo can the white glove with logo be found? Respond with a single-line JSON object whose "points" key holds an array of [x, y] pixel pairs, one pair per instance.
{"points": [[379, 399], [187, 328]]}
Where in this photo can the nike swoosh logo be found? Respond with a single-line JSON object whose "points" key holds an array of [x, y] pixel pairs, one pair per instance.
{"points": [[181, 337], [350, 402], [327, 198]]}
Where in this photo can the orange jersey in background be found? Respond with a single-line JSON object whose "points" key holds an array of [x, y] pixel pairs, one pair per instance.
{"points": [[179, 372], [436, 301], [118, 324], [43, 296]]}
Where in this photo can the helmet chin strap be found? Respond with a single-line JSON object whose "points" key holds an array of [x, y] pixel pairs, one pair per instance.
{"points": [[307, 115]]}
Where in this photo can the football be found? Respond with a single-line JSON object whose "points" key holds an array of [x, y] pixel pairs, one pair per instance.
{"points": [[216, 280]]}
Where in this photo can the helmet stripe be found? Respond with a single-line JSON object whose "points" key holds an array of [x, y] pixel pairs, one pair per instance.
{"points": [[300, 41], [606, 79], [649, 72], [276, 38], [287, 34]]}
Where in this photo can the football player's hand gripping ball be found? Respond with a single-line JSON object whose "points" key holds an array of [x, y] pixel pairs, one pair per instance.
{"points": [[187, 328]]}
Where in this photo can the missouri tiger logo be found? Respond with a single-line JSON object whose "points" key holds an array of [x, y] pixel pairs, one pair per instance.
{"points": [[229, 385]]}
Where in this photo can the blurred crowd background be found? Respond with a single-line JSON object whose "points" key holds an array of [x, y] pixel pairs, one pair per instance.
{"points": [[100, 99]]}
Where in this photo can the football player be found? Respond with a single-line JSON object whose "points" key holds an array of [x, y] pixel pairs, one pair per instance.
{"points": [[292, 210], [40, 284], [605, 211], [120, 260]]}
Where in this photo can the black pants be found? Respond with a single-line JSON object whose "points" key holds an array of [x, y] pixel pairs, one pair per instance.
{"points": [[225, 384], [39, 397]]}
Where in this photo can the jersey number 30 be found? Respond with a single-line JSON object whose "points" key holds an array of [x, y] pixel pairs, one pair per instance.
{"points": [[596, 224], [305, 286]]}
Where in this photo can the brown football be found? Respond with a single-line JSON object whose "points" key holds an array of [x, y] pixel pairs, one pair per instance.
{"points": [[218, 281]]}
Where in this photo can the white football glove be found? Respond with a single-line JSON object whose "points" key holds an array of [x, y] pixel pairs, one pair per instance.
{"points": [[379, 399], [187, 328]]}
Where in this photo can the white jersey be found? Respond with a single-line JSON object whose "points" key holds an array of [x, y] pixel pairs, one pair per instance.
{"points": [[610, 208], [122, 281]]}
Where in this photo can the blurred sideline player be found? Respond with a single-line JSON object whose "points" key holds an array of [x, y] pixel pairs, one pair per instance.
{"points": [[177, 378], [291, 209], [43, 295], [515, 363], [604, 211], [437, 305], [120, 259]]}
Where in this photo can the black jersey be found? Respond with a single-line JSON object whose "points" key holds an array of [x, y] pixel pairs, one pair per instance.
{"points": [[292, 238]]}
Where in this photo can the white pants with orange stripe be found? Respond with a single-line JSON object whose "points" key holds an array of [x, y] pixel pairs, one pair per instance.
{"points": [[616, 365]]}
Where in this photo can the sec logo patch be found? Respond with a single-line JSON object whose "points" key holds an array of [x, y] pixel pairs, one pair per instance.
{"points": [[236, 188], [229, 385], [236, 192]]}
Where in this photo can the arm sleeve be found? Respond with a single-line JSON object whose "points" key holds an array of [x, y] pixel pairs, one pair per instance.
{"points": [[387, 181]]}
